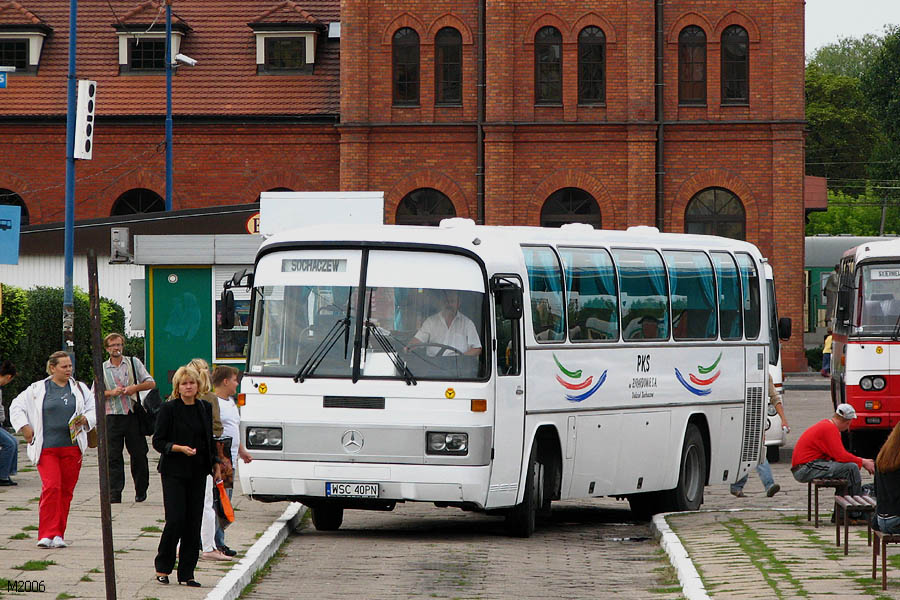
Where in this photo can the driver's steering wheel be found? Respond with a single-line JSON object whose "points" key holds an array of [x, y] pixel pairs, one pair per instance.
{"points": [[443, 348]]}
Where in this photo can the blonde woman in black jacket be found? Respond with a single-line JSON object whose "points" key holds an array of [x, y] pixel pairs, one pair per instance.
{"points": [[184, 439]]}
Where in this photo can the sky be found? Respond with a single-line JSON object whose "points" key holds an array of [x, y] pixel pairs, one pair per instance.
{"points": [[829, 20]]}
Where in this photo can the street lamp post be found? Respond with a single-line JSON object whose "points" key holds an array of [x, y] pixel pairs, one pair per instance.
{"points": [[168, 105]]}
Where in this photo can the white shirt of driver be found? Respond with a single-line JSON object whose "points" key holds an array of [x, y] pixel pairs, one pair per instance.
{"points": [[461, 334], [231, 421]]}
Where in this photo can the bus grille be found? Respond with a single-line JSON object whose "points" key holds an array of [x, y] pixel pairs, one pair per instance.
{"points": [[752, 425]]}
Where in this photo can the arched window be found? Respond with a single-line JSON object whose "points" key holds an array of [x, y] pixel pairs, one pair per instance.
{"points": [[137, 201], [716, 211], [570, 205], [591, 66], [406, 67], [692, 66], [448, 66], [735, 65], [548, 66], [424, 206], [10, 198]]}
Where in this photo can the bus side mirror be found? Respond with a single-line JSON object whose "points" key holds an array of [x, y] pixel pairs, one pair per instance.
{"points": [[239, 276], [227, 309], [784, 328], [511, 302]]}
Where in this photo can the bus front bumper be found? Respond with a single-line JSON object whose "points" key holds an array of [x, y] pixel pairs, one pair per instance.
{"points": [[416, 483]]}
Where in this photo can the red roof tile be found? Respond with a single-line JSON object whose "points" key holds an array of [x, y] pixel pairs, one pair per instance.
{"points": [[286, 12], [14, 13], [224, 82], [151, 11]]}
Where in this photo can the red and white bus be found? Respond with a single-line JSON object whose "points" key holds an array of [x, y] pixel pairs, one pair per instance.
{"points": [[865, 365]]}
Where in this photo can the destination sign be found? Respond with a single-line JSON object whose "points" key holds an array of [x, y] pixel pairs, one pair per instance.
{"points": [[314, 265], [885, 273]]}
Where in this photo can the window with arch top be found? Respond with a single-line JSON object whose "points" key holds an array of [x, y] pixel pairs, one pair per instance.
{"points": [[405, 53], [10, 198], [716, 211], [138, 201], [692, 66], [448, 67], [424, 206], [570, 205], [591, 66], [735, 65], [548, 66]]}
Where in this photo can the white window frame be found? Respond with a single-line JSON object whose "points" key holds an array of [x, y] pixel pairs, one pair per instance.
{"points": [[261, 36], [126, 36], [35, 44]]}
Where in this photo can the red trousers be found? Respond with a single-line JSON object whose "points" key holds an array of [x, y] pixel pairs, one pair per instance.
{"points": [[59, 469]]}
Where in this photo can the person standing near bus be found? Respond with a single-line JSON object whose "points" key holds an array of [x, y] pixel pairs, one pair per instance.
{"points": [[826, 356], [9, 446], [764, 469], [832, 286]]}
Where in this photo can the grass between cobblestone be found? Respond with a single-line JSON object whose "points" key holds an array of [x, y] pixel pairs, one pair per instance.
{"points": [[772, 569]]}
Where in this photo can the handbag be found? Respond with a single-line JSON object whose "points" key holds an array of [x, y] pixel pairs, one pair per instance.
{"points": [[222, 505], [92, 438], [146, 413], [223, 452]]}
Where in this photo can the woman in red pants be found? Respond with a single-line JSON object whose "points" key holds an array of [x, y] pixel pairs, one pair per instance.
{"points": [[54, 415]]}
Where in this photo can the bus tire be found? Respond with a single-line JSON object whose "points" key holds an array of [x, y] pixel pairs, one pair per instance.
{"points": [[773, 454], [643, 506], [522, 518], [688, 494], [327, 518]]}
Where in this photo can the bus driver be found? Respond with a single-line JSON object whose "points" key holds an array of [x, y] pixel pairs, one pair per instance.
{"points": [[448, 327]]}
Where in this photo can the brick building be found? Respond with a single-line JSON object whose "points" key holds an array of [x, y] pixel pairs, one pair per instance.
{"points": [[578, 119]]}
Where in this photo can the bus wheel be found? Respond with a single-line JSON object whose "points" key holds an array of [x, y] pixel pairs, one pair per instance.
{"points": [[773, 454], [327, 518], [522, 518], [688, 494], [643, 506]]}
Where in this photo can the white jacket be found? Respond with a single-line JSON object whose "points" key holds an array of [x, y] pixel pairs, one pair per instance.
{"points": [[27, 409]]}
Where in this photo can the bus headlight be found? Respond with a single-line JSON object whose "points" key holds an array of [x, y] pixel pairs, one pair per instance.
{"points": [[264, 438], [871, 383], [865, 383], [771, 411], [439, 442], [878, 383]]}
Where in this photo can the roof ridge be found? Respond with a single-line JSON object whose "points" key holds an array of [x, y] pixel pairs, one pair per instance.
{"points": [[288, 4], [30, 17], [156, 5]]}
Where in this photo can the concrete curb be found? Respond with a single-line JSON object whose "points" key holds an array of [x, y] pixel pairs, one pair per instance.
{"points": [[691, 584], [234, 582]]}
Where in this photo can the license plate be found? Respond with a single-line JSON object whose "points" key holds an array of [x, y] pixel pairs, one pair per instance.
{"points": [[351, 490]]}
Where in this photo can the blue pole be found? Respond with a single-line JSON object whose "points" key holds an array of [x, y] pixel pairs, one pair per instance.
{"points": [[68, 295], [168, 105]]}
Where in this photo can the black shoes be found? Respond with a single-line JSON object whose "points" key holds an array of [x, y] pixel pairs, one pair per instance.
{"points": [[115, 499], [227, 551], [163, 579], [190, 583], [140, 497], [4, 482]]}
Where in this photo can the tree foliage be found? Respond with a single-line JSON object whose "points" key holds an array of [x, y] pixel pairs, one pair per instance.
{"points": [[849, 56], [13, 319], [859, 215]]}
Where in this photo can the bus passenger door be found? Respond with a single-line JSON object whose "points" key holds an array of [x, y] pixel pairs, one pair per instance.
{"points": [[509, 398]]}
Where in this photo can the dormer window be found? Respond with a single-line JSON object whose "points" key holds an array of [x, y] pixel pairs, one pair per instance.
{"points": [[21, 48], [148, 54], [286, 38]]}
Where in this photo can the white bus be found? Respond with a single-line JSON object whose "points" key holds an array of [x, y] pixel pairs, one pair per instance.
{"points": [[865, 360], [611, 363], [776, 437]]}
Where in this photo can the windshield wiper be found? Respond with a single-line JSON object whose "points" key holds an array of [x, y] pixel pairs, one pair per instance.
{"points": [[320, 351], [896, 329], [392, 353]]}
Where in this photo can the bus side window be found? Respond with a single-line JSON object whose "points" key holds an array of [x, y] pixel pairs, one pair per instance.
{"points": [[693, 295], [591, 293], [643, 293], [750, 286], [545, 283], [730, 313]]}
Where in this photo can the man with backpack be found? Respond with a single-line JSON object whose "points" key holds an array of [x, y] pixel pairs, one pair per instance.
{"points": [[124, 377]]}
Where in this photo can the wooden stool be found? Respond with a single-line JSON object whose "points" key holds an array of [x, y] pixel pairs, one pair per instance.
{"points": [[838, 484], [860, 504], [882, 540]]}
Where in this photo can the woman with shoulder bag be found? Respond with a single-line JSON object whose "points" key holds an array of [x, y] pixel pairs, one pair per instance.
{"points": [[54, 415], [887, 483]]}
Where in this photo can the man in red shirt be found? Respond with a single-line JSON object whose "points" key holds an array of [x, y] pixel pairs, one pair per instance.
{"points": [[820, 453]]}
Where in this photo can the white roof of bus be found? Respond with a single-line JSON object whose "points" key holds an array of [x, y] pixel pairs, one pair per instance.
{"points": [[462, 232], [875, 250]]}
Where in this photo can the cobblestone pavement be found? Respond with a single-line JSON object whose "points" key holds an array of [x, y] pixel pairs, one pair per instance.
{"points": [[76, 571]]}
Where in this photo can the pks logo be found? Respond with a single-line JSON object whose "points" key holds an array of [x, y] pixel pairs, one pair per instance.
{"points": [[575, 387], [704, 384]]}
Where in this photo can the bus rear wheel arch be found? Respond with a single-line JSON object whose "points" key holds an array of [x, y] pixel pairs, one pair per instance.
{"points": [[543, 483]]}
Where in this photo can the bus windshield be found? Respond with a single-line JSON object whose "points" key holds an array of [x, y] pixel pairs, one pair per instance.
{"points": [[879, 293], [306, 327]]}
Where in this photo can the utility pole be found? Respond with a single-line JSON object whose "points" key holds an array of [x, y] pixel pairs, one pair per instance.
{"points": [[68, 293], [168, 105]]}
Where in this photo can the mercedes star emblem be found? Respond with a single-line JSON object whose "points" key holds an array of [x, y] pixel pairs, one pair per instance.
{"points": [[353, 441]]}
